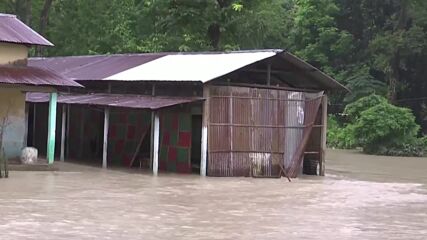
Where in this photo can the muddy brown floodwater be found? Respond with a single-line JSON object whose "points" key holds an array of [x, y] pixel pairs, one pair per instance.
{"points": [[362, 197]]}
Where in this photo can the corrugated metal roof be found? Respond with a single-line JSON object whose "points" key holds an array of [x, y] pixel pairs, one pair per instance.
{"points": [[96, 67], [12, 30], [33, 76], [114, 100], [191, 67], [198, 67]]}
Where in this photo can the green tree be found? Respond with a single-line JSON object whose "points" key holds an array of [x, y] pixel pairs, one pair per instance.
{"points": [[92, 27], [316, 37], [401, 37], [211, 24]]}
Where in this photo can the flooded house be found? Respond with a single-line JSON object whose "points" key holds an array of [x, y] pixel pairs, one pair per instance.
{"points": [[16, 79], [255, 113]]}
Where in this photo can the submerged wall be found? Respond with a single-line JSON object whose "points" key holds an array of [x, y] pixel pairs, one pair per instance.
{"points": [[12, 110], [125, 131], [259, 132], [175, 140]]}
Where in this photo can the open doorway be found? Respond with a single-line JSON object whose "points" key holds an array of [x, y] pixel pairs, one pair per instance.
{"points": [[129, 138], [141, 157], [85, 134], [196, 139]]}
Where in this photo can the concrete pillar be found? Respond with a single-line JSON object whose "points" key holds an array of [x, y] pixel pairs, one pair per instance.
{"points": [[53, 97], [156, 143], [153, 93], [204, 140]]}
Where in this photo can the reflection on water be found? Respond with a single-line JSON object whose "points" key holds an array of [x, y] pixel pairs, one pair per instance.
{"points": [[361, 198]]}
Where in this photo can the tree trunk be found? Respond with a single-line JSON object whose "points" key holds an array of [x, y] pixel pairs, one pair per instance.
{"points": [[44, 17], [393, 81], [394, 76], [214, 30], [19, 9], [223, 3], [214, 34], [28, 12]]}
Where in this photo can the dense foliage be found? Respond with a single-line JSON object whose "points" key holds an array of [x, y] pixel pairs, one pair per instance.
{"points": [[340, 136], [355, 109], [385, 126], [379, 128], [370, 46]]}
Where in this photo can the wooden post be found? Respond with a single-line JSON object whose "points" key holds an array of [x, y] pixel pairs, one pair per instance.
{"points": [[64, 118], [323, 136], [268, 74], [156, 143], [67, 135], [105, 145], [82, 131], [51, 127], [205, 128], [67, 129], [34, 124], [230, 110]]}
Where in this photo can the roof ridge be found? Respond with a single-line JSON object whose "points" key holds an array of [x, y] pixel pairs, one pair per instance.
{"points": [[99, 55], [277, 50]]}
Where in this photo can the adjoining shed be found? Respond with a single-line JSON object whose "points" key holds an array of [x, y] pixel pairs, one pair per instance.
{"points": [[243, 113], [16, 79]]}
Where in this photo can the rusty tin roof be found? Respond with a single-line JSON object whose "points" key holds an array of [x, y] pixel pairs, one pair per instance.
{"points": [[96, 67], [33, 76], [180, 67], [114, 100], [12, 30]]}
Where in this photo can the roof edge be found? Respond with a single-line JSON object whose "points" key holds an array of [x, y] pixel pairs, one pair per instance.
{"points": [[47, 44]]}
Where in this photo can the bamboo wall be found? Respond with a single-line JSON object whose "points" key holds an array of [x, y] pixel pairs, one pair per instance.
{"points": [[257, 131]]}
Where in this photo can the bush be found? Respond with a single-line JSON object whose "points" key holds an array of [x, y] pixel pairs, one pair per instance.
{"points": [[353, 110], [413, 148], [341, 137], [405, 149], [378, 127], [386, 128]]}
